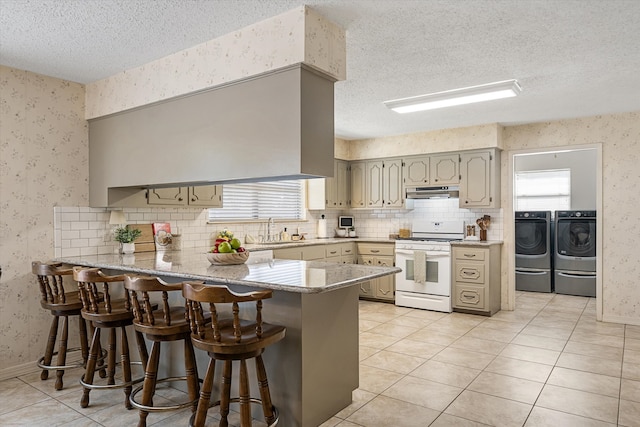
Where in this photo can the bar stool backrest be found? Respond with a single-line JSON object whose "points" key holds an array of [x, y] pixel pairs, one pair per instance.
{"points": [[139, 288], [88, 280], [50, 278], [197, 293]]}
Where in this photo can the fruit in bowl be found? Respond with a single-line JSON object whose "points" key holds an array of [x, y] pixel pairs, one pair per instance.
{"points": [[227, 250]]}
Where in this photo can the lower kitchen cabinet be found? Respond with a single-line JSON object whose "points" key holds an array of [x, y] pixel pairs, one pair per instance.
{"points": [[475, 275], [380, 254]]}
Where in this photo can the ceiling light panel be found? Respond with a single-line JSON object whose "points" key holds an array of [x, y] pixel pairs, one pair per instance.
{"points": [[449, 98]]}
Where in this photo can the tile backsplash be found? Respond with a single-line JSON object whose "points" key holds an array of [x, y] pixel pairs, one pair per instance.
{"points": [[86, 231]]}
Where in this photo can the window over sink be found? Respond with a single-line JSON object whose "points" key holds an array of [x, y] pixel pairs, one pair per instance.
{"points": [[260, 201]]}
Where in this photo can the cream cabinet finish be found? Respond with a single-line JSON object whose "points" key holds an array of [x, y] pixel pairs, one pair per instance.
{"points": [[476, 278], [337, 188], [383, 184], [373, 184], [333, 192], [480, 179], [358, 184], [206, 196], [444, 169], [416, 171], [380, 254], [392, 183]]}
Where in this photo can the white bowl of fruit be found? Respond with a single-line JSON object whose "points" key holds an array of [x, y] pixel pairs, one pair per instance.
{"points": [[227, 250]]}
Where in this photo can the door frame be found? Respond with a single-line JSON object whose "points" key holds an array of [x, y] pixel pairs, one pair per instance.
{"points": [[509, 220]]}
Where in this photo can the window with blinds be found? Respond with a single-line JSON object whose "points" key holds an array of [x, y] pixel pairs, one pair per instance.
{"points": [[260, 201], [547, 190]]}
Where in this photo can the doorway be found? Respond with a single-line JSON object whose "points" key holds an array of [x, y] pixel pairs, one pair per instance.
{"points": [[567, 178]]}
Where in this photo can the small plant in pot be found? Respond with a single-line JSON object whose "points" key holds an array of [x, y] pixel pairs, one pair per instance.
{"points": [[126, 237]]}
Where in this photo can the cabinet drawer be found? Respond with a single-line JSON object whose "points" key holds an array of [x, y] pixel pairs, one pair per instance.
{"points": [[313, 253], [375, 249], [476, 254], [469, 272], [348, 249], [468, 296], [332, 250], [288, 253]]}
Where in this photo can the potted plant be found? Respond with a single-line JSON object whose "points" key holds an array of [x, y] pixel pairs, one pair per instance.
{"points": [[126, 236]]}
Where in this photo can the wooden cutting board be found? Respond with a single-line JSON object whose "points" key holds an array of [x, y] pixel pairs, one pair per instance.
{"points": [[144, 243]]}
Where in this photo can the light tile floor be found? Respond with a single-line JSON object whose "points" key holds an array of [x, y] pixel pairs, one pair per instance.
{"points": [[548, 363]]}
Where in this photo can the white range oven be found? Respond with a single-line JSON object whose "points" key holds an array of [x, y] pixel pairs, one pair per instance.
{"points": [[425, 260]]}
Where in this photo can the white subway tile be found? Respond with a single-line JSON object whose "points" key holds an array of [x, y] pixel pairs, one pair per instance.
{"points": [[70, 252], [70, 234]]}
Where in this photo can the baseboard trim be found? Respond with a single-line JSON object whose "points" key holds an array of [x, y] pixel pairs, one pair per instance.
{"points": [[19, 370], [621, 319]]}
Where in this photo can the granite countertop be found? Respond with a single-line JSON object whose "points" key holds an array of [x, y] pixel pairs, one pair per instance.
{"points": [[313, 242], [276, 274], [476, 242]]}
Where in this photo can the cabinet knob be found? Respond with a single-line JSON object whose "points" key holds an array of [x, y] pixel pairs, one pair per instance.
{"points": [[179, 199], [193, 199]]}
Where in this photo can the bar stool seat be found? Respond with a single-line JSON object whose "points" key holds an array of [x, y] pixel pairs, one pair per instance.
{"points": [[167, 323], [109, 315], [62, 303], [231, 339]]}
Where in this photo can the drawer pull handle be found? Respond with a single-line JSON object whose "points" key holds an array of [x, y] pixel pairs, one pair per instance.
{"points": [[468, 273], [470, 255], [333, 252], [375, 251], [469, 296]]}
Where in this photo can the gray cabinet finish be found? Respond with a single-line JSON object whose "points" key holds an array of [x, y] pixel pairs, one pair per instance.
{"points": [[278, 125]]}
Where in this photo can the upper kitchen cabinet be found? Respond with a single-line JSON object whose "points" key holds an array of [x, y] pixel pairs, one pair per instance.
{"points": [[480, 179], [392, 183], [358, 184], [167, 196], [377, 184], [207, 196], [444, 169], [416, 171], [330, 193]]}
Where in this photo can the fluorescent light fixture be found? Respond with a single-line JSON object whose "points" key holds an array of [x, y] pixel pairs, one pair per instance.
{"points": [[449, 98]]}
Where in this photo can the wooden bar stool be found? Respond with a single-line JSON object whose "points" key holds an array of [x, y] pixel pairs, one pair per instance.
{"points": [[108, 314], [62, 303], [231, 339], [167, 323]]}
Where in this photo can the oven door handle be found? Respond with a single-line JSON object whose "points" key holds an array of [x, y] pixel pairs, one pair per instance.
{"points": [[430, 254]]}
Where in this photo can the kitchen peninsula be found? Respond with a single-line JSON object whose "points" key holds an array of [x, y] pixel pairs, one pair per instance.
{"points": [[313, 371]]}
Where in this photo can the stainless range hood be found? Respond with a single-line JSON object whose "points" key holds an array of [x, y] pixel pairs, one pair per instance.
{"points": [[446, 192], [279, 125]]}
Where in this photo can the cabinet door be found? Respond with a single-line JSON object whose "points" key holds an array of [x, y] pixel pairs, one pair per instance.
{"points": [[208, 196], [475, 188], [374, 184], [358, 187], [367, 289], [444, 169], [385, 287], [167, 196], [342, 183], [392, 183], [331, 189], [416, 171]]}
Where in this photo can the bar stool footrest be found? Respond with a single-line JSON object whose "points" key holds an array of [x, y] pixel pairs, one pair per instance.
{"points": [[237, 400], [161, 408], [111, 386], [77, 364]]}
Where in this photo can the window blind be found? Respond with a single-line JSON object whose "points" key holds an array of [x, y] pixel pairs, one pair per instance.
{"points": [[543, 190], [260, 201]]}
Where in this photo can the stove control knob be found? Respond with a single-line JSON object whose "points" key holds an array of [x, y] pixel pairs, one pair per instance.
{"points": [[526, 214], [578, 214]]}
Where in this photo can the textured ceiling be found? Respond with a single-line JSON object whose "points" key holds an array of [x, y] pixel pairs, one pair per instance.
{"points": [[572, 58]]}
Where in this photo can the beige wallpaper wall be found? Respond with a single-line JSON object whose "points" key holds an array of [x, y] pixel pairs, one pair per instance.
{"points": [[619, 135], [43, 163]]}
